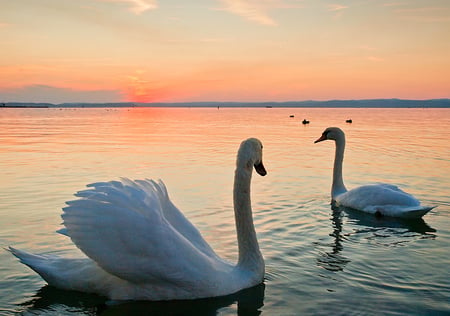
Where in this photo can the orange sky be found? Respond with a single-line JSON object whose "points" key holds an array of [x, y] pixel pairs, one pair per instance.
{"points": [[223, 50]]}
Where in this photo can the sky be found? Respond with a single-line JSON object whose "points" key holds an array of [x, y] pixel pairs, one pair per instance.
{"points": [[61, 51]]}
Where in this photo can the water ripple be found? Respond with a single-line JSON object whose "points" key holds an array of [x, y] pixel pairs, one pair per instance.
{"points": [[318, 261]]}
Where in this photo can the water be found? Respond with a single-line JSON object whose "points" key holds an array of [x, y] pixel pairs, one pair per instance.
{"points": [[318, 262]]}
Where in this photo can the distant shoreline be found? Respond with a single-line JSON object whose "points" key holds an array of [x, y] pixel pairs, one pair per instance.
{"points": [[369, 103], [24, 106]]}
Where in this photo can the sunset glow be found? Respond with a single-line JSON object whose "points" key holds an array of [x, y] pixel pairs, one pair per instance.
{"points": [[223, 50]]}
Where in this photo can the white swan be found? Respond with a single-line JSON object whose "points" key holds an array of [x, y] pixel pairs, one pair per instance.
{"points": [[379, 199], [139, 246]]}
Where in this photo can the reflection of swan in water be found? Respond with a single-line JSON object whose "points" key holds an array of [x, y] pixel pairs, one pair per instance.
{"points": [[378, 199], [139, 246], [416, 225], [52, 299], [397, 229], [333, 260]]}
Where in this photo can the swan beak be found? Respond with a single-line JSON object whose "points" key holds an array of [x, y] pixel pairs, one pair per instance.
{"points": [[260, 169], [322, 138]]}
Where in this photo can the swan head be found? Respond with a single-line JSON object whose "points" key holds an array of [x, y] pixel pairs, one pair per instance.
{"points": [[331, 133], [250, 155]]}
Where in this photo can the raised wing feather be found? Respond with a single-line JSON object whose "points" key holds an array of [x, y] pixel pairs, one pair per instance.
{"points": [[175, 216], [126, 227]]}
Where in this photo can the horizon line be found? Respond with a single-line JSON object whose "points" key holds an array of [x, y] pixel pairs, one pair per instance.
{"points": [[379, 102]]}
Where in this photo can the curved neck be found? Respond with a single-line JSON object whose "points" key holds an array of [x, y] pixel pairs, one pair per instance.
{"points": [[250, 256], [338, 186]]}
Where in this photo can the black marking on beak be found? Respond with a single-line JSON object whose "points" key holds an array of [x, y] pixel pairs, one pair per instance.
{"points": [[260, 169]]}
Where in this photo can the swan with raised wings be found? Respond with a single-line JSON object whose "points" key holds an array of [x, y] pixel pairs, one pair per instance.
{"points": [[139, 246], [380, 199]]}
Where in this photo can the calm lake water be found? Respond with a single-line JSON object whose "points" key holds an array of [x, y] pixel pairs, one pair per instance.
{"points": [[318, 261]]}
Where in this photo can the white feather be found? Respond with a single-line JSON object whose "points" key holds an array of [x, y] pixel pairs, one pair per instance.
{"points": [[379, 199], [140, 246]]}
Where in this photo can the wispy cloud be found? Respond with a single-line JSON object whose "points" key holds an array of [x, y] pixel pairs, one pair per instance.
{"points": [[255, 11], [367, 48], [214, 40], [336, 7], [52, 94], [140, 88], [370, 50], [425, 14], [394, 4], [137, 6], [375, 59], [258, 10]]}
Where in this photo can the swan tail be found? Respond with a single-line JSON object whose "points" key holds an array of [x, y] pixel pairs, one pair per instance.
{"points": [[63, 231], [418, 212], [411, 212], [64, 273], [38, 263], [25, 257]]}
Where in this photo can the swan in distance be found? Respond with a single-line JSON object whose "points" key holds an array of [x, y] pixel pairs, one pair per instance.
{"points": [[379, 199], [139, 246]]}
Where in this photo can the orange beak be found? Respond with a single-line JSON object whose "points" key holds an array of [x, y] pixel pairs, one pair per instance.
{"points": [[322, 138]]}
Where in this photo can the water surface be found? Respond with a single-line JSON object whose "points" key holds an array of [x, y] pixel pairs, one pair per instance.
{"points": [[318, 261]]}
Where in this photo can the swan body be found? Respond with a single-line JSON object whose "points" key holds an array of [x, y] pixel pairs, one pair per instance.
{"points": [[139, 246], [378, 199]]}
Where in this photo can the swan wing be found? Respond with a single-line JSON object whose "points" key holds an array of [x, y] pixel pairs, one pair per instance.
{"points": [[122, 226], [376, 194], [386, 199], [173, 215]]}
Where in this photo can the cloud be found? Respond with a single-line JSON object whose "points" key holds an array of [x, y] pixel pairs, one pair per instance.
{"points": [[367, 48], [251, 10], [425, 14], [258, 10], [394, 4], [375, 59], [50, 94], [141, 89], [137, 6], [336, 7]]}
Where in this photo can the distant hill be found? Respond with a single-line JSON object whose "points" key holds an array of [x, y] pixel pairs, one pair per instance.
{"points": [[372, 103], [25, 105]]}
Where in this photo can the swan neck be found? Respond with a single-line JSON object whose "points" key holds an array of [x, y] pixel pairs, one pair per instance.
{"points": [[338, 186], [250, 256]]}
